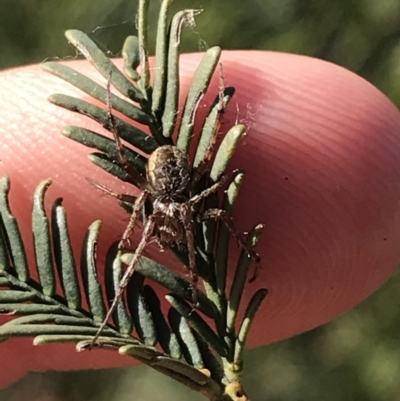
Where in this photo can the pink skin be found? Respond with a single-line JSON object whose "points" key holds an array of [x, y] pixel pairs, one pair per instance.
{"points": [[321, 156]]}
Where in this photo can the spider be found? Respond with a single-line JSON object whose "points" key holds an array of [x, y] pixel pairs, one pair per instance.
{"points": [[169, 220]]}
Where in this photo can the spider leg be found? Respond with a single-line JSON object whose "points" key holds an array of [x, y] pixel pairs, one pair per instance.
{"points": [[147, 234], [222, 102], [210, 190], [128, 167], [121, 197], [137, 209], [220, 214], [187, 219]]}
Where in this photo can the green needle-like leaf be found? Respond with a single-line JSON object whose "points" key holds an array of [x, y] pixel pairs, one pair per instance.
{"points": [[7, 296], [4, 282], [108, 164], [83, 341], [226, 151], [167, 340], [106, 145], [173, 282], [248, 319], [128, 132], [160, 69], [170, 111], [175, 369], [29, 330], [210, 123], [197, 323], [103, 64], [28, 309], [60, 338], [140, 312], [212, 361], [183, 369], [198, 88], [64, 256], [93, 290], [13, 234], [131, 56], [144, 81], [93, 89], [4, 257], [50, 318], [121, 316], [42, 241], [188, 343], [240, 277], [145, 353], [222, 247]]}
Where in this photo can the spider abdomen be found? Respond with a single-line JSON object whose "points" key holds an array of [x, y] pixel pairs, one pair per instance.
{"points": [[168, 171], [168, 228]]}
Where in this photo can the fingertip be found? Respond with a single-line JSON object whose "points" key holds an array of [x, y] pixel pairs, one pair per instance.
{"points": [[321, 156], [321, 153]]}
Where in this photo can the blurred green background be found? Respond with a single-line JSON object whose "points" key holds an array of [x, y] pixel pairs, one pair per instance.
{"points": [[355, 357]]}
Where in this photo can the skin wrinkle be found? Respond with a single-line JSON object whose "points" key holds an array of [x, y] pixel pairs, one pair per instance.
{"points": [[335, 137]]}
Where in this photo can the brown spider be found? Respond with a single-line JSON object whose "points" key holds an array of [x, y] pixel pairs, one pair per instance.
{"points": [[170, 220]]}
